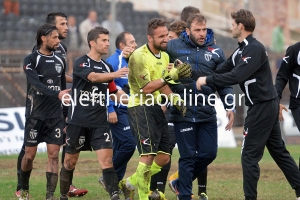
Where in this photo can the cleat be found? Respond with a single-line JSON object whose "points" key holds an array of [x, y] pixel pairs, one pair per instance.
{"points": [[203, 196], [101, 181], [157, 195], [126, 187], [18, 193], [76, 192], [172, 185], [174, 176], [24, 195], [52, 198], [63, 197], [115, 196]]}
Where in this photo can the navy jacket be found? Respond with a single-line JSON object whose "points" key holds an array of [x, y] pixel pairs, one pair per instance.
{"points": [[204, 60]]}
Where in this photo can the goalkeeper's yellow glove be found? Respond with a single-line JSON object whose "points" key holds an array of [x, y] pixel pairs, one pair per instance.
{"points": [[176, 100], [167, 78], [183, 70]]}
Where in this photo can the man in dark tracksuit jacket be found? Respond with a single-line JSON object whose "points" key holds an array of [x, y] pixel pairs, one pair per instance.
{"points": [[290, 71], [196, 133], [249, 67]]}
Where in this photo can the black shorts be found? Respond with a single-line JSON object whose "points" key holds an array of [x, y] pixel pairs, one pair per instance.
{"points": [[80, 138], [150, 129], [48, 130]]}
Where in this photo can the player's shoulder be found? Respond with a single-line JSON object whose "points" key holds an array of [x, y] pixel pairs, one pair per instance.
{"points": [[295, 47], [64, 47], [32, 56], [106, 63]]}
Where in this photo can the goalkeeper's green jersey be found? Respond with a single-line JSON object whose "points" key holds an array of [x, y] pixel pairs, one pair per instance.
{"points": [[144, 67]]}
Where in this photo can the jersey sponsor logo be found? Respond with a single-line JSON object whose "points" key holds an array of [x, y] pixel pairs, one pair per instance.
{"points": [[96, 67], [27, 67], [33, 133], [50, 81], [58, 68], [159, 63], [186, 129], [145, 142], [143, 76], [285, 59], [207, 56], [49, 60], [213, 50], [54, 87], [246, 59], [183, 51]]}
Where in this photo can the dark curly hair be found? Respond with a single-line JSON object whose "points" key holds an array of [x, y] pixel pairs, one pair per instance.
{"points": [[154, 24]]}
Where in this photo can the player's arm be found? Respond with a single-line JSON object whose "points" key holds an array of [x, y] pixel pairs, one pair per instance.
{"points": [[241, 72], [284, 71], [105, 77], [69, 79], [117, 94]]}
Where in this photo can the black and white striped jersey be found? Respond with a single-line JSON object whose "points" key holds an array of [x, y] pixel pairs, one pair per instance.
{"points": [[45, 79], [249, 67], [290, 72]]}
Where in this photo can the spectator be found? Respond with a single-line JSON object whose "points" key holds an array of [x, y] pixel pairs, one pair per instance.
{"points": [[277, 45], [85, 26], [108, 24], [73, 41], [115, 27], [11, 6]]}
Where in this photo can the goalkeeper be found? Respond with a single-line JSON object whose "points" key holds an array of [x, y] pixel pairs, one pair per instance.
{"points": [[148, 80]]}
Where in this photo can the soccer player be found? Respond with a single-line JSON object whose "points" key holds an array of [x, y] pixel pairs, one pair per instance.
{"points": [[59, 20], [87, 124], [158, 181], [196, 134], [147, 120], [44, 118], [290, 72], [123, 140], [249, 67]]}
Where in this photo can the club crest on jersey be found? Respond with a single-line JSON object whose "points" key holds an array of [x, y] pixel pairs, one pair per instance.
{"points": [[58, 68], [81, 140], [207, 56], [245, 59], [33, 134]]}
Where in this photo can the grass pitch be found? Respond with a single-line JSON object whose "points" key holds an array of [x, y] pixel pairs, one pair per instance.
{"points": [[224, 176]]}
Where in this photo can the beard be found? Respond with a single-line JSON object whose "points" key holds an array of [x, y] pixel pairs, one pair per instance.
{"points": [[53, 48], [160, 47], [194, 40]]}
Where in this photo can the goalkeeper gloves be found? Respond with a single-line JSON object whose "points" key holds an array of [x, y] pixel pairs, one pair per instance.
{"points": [[177, 102], [179, 71]]}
